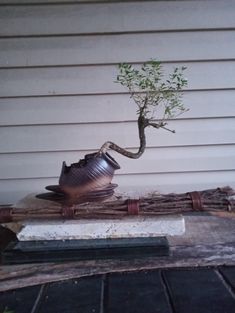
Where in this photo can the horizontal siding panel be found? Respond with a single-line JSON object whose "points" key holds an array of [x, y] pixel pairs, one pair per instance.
{"points": [[100, 79], [13, 190], [180, 182], [154, 160], [67, 109], [23, 2], [115, 17], [85, 136], [100, 108], [20, 2], [214, 45], [57, 91]]}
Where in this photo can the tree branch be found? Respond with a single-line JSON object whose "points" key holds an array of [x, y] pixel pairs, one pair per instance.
{"points": [[142, 124], [160, 125]]}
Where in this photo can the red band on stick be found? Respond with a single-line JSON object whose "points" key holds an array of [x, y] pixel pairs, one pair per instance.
{"points": [[68, 212], [5, 215], [196, 201], [133, 206]]}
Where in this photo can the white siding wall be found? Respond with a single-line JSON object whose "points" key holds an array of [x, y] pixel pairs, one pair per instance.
{"points": [[58, 100]]}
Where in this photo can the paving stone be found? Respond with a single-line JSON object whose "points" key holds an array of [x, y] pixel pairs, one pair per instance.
{"points": [[198, 291], [229, 275], [137, 292], [18, 301], [72, 296]]}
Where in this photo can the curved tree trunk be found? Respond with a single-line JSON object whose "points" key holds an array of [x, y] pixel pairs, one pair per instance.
{"points": [[142, 124]]}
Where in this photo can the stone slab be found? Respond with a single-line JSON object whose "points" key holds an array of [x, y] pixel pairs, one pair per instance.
{"points": [[94, 229], [22, 252]]}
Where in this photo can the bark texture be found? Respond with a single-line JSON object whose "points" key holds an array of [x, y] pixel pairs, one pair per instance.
{"points": [[142, 124]]}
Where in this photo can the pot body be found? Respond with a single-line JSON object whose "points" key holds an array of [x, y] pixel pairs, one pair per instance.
{"points": [[94, 172]]}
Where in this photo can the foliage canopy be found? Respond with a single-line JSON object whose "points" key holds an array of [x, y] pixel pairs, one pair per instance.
{"points": [[158, 98]]}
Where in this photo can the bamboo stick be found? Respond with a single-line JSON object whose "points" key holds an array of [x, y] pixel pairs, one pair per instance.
{"points": [[212, 200]]}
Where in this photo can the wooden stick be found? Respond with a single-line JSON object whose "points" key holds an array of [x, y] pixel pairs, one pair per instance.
{"points": [[212, 200]]}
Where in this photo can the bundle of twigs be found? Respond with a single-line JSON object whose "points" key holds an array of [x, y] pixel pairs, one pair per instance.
{"points": [[212, 200]]}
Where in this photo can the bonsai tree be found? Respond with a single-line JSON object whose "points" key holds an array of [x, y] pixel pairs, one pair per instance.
{"points": [[158, 99]]}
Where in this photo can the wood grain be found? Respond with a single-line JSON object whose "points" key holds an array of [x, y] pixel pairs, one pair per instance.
{"points": [[12, 277]]}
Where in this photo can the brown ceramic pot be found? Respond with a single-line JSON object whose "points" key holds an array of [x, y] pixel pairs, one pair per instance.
{"points": [[94, 172]]}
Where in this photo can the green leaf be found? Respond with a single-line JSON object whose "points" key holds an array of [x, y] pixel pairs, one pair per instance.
{"points": [[147, 82]]}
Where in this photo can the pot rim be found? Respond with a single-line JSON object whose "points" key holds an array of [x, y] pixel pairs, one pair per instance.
{"points": [[111, 160]]}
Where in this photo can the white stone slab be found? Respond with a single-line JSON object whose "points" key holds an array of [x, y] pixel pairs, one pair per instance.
{"points": [[93, 229]]}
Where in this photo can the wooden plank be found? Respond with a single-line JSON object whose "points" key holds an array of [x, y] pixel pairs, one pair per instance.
{"points": [[154, 160], [100, 108], [136, 292], [200, 290], [137, 184], [86, 136], [83, 295], [20, 300], [204, 230], [214, 45], [229, 275], [114, 17], [87, 79], [12, 277], [195, 248]]}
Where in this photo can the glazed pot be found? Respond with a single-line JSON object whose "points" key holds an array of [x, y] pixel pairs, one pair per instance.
{"points": [[94, 172]]}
